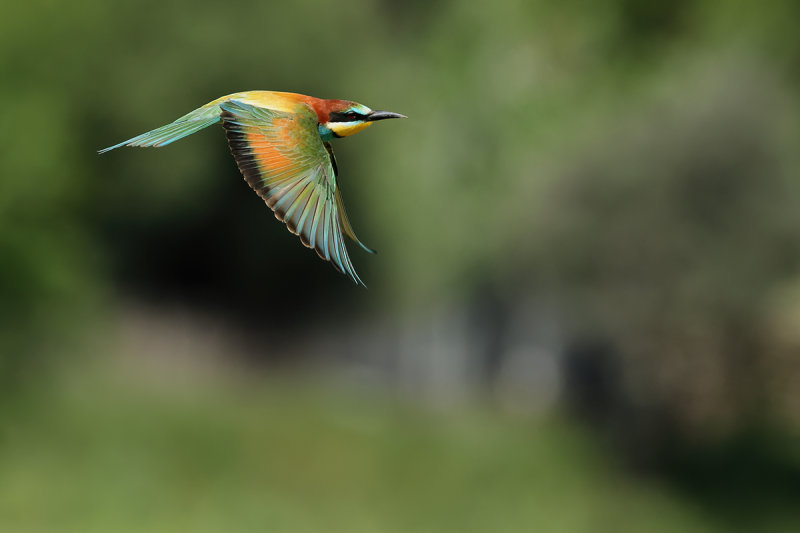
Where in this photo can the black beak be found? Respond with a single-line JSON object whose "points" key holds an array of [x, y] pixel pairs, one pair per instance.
{"points": [[381, 115]]}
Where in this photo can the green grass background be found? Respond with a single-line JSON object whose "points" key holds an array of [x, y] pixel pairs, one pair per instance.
{"points": [[97, 453]]}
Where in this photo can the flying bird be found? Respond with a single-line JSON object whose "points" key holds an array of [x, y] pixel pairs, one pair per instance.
{"points": [[281, 144]]}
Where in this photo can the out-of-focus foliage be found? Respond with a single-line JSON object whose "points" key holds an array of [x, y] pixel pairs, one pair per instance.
{"points": [[638, 160], [628, 169]]}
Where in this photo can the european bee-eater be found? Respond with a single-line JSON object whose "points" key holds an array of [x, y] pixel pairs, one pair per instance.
{"points": [[280, 142]]}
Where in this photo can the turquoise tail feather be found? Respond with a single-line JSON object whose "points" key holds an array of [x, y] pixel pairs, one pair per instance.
{"points": [[186, 125]]}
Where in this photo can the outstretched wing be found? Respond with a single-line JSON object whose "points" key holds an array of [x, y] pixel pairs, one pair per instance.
{"points": [[283, 159], [198, 119]]}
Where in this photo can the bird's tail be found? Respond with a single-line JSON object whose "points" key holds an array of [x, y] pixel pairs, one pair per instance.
{"points": [[186, 125]]}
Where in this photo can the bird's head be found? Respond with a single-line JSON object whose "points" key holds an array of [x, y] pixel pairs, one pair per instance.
{"points": [[346, 118]]}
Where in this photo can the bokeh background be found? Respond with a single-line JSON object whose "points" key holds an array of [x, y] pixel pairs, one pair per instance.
{"points": [[584, 315]]}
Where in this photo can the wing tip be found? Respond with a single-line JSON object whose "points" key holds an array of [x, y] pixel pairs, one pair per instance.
{"points": [[109, 148], [366, 248]]}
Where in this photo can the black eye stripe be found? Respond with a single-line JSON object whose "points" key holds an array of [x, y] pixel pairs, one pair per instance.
{"points": [[350, 116]]}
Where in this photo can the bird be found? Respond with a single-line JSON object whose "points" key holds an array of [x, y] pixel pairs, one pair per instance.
{"points": [[281, 144]]}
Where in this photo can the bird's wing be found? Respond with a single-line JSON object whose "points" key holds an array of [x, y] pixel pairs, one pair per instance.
{"points": [[283, 159], [186, 125], [343, 218]]}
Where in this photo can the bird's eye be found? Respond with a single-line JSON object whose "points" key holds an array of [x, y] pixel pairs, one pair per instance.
{"points": [[352, 114]]}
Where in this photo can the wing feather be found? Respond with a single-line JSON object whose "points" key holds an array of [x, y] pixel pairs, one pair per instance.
{"points": [[310, 207], [282, 157], [344, 222]]}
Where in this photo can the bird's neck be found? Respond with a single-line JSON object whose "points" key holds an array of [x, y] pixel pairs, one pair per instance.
{"points": [[326, 133]]}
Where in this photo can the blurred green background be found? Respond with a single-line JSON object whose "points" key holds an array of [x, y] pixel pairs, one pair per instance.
{"points": [[584, 314]]}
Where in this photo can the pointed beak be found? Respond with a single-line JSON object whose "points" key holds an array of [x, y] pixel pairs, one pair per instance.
{"points": [[381, 115]]}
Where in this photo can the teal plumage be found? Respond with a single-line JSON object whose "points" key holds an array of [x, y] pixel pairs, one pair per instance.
{"points": [[186, 125]]}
